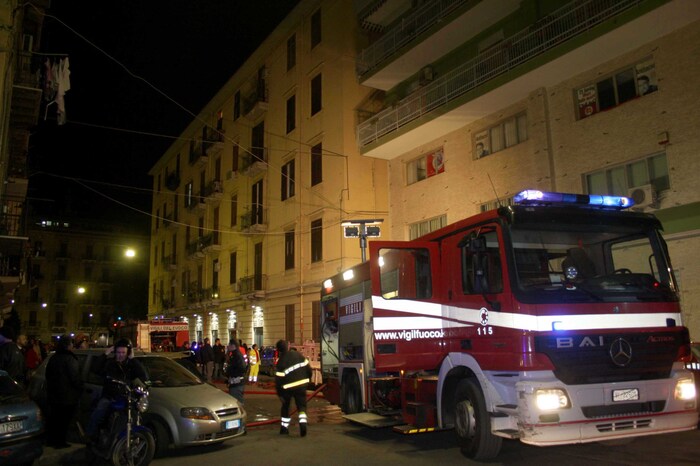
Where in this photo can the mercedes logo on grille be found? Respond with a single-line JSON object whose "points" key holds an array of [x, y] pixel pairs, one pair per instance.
{"points": [[621, 352]]}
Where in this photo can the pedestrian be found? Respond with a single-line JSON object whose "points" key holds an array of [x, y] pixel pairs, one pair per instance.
{"points": [[63, 389], [219, 358], [292, 375], [11, 357], [206, 356], [254, 359], [32, 357], [235, 371]]}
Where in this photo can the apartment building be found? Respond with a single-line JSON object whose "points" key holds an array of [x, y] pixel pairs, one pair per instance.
{"points": [[477, 100], [79, 279], [248, 202], [20, 32]]}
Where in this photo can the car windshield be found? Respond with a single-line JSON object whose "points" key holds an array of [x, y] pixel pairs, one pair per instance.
{"points": [[10, 392], [163, 372], [571, 263]]}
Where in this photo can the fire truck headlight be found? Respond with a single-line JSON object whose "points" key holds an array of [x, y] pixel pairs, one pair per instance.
{"points": [[551, 398], [685, 390]]}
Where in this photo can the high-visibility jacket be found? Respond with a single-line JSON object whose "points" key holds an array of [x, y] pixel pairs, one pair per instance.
{"points": [[293, 370]]}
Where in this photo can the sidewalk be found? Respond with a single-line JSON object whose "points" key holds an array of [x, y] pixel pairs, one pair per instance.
{"points": [[261, 404]]}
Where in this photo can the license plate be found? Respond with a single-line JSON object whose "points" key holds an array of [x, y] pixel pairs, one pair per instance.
{"points": [[12, 426], [626, 394], [235, 424]]}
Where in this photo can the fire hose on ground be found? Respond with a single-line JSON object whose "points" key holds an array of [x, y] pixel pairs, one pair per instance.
{"points": [[277, 420]]}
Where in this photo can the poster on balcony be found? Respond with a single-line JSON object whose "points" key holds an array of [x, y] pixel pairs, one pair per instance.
{"points": [[482, 145], [587, 101], [646, 77], [436, 163]]}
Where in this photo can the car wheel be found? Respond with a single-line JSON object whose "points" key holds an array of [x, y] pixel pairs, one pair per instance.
{"points": [[160, 433]]}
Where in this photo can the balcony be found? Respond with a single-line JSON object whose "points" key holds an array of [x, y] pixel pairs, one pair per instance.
{"points": [[461, 96], [213, 142], [26, 94], [169, 262], [255, 101], [195, 250], [254, 161], [198, 156], [211, 242], [214, 191], [427, 33], [172, 181], [170, 221], [253, 286], [254, 221]]}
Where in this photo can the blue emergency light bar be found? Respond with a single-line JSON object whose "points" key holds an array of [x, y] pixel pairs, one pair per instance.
{"points": [[534, 197]]}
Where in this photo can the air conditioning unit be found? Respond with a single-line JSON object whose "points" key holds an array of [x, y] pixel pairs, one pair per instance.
{"points": [[643, 196]]}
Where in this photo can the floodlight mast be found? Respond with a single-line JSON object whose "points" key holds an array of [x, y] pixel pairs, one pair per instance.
{"points": [[359, 228]]}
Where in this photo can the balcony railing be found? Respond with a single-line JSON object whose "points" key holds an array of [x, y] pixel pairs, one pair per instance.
{"points": [[252, 284], [214, 190], [421, 19], [565, 23], [253, 160], [198, 154], [12, 217], [255, 220]]}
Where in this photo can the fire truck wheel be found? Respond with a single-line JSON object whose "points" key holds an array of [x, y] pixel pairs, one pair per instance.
{"points": [[472, 423], [351, 395]]}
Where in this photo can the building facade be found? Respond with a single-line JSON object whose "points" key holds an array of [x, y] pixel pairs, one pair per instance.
{"points": [[79, 280], [20, 33], [480, 100], [248, 202]]}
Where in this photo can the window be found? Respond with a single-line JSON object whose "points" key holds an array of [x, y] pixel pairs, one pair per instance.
{"points": [[289, 322], [291, 114], [500, 136], [189, 194], [287, 180], [316, 102], [256, 205], [316, 240], [291, 52], [316, 28], [234, 157], [620, 179], [316, 164], [288, 250], [418, 229], [237, 105], [616, 89], [481, 265], [425, 166], [88, 273], [234, 210]]}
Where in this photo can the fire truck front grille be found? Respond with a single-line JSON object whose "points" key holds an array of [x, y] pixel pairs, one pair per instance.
{"points": [[592, 412], [586, 358], [624, 425]]}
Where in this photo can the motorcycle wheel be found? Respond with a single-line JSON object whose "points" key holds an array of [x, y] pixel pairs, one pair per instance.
{"points": [[138, 453]]}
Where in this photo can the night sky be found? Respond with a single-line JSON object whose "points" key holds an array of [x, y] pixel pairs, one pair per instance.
{"points": [[186, 49]]}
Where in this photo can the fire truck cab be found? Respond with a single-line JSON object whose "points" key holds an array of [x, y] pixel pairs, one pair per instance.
{"points": [[553, 321]]}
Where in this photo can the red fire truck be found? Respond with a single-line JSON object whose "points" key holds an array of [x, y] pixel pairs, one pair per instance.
{"points": [[553, 321]]}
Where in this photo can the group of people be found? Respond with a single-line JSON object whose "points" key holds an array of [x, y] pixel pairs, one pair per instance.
{"points": [[20, 356]]}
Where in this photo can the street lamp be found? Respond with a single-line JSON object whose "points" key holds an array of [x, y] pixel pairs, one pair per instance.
{"points": [[130, 253]]}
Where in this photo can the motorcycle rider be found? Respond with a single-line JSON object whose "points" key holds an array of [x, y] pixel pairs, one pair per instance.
{"points": [[122, 367]]}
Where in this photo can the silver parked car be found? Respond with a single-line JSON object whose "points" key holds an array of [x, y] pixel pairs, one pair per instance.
{"points": [[21, 425], [183, 410]]}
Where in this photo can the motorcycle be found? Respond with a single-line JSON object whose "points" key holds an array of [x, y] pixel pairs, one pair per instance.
{"points": [[123, 440]]}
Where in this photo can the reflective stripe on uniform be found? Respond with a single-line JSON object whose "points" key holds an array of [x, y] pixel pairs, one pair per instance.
{"points": [[295, 384], [295, 367], [302, 418], [286, 421]]}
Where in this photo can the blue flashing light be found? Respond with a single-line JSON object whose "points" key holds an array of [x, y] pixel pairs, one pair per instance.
{"points": [[535, 197]]}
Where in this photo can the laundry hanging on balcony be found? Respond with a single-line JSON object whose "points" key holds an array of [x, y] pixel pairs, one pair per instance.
{"points": [[56, 84]]}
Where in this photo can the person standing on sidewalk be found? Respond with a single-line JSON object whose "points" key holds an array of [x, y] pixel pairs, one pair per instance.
{"points": [[206, 355], [63, 389], [219, 358], [291, 378], [254, 359]]}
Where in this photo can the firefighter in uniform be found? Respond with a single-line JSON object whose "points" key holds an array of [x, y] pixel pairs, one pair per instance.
{"points": [[292, 375]]}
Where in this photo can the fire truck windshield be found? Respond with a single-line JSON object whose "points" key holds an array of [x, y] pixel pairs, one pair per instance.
{"points": [[588, 263]]}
